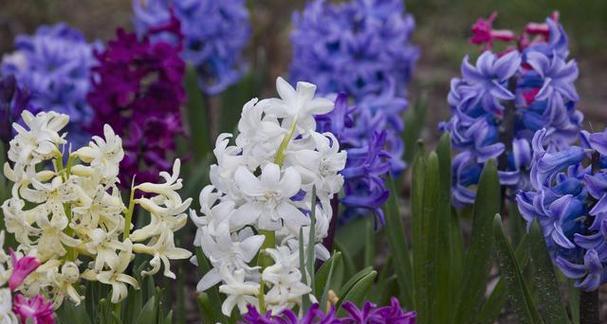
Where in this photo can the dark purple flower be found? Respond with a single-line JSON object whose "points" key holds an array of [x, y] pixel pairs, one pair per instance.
{"points": [[13, 101], [369, 313], [215, 32], [313, 316], [138, 90], [372, 314]]}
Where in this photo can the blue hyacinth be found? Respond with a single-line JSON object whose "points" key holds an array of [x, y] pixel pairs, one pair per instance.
{"points": [[54, 66], [361, 49], [501, 101], [568, 198], [216, 33]]}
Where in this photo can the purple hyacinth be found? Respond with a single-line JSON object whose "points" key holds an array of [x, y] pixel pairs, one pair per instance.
{"points": [[138, 90], [13, 101], [216, 33], [568, 198], [54, 65], [360, 48], [502, 100], [369, 313], [368, 160]]}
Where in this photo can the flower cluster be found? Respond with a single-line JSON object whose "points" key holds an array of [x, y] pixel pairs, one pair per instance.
{"points": [[13, 100], [216, 32], [14, 307], [71, 217], [138, 90], [499, 103], [54, 65], [369, 313], [362, 49], [567, 198], [367, 162], [266, 192]]}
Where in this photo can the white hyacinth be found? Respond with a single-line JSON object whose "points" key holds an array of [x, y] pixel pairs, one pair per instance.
{"points": [[260, 198], [68, 211]]}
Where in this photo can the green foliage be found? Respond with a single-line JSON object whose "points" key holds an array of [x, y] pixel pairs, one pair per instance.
{"points": [[511, 272], [197, 116]]}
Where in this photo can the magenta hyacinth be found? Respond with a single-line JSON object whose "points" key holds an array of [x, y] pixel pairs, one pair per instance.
{"points": [[138, 90], [36, 310], [22, 267]]}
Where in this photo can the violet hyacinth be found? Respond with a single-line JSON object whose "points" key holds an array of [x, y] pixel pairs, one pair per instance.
{"points": [[138, 90], [361, 49], [367, 161], [54, 65], [13, 100], [216, 33], [568, 198], [499, 103], [369, 313]]}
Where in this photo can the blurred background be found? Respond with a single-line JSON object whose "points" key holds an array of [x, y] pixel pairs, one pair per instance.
{"points": [[443, 28]]}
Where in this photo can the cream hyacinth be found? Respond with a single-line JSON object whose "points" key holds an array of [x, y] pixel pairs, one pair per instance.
{"points": [[71, 216], [260, 199]]}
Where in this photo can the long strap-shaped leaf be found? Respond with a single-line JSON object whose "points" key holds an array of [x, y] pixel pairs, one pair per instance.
{"points": [[510, 270], [445, 246], [398, 246], [478, 256], [545, 282]]}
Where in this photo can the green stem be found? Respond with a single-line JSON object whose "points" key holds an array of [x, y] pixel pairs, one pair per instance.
{"points": [[280, 154], [129, 213]]}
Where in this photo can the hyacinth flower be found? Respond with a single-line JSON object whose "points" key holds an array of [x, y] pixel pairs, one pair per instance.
{"points": [[13, 100], [138, 90], [567, 198], [269, 199], [14, 306], [361, 49], [215, 32], [71, 217], [54, 65], [369, 313], [502, 100]]}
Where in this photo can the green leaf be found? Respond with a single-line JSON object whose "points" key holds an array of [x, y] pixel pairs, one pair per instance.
{"points": [[357, 277], [233, 99], [445, 255], [425, 221], [149, 312], [369, 242], [311, 258], [359, 291], [414, 124], [197, 116], [214, 306], [510, 272], [496, 300], [349, 235], [169, 318], [70, 313], [488, 202], [349, 267], [304, 276], [324, 277], [545, 282]]}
